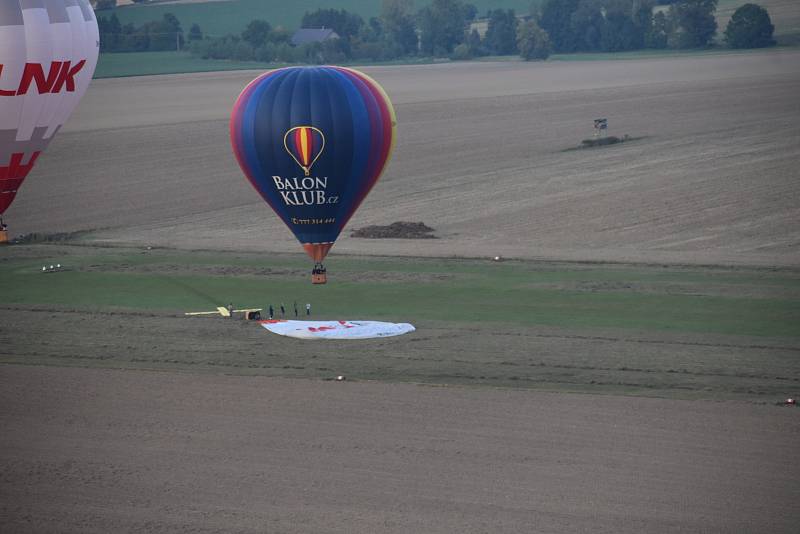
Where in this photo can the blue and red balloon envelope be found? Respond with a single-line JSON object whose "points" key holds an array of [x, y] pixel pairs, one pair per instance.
{"points": [[313, 141]]}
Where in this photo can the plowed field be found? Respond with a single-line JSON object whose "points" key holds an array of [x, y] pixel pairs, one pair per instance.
{"points": [[118, 414]]}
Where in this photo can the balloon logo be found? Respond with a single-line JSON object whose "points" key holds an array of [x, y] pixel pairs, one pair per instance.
{"points": [[305, 144], [314, 181], [48, 52]]}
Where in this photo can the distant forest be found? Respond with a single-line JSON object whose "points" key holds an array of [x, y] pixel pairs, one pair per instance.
{"points": [[453, 29]]}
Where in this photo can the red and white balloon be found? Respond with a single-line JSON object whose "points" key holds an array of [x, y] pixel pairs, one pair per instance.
{"points": [[48, 53]]}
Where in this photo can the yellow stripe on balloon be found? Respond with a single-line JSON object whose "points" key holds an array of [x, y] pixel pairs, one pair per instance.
{"points": [[304, 148]]}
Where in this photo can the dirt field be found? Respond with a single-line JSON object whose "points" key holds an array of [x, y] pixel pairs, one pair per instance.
{"points": [[172, 442], [113, 451], [480, 158], [756, 369]]}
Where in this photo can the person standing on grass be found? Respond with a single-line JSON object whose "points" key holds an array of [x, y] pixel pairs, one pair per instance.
{"points": [[308, 309], [283, 311], [295, 308], [271, 311], [230, 310]]}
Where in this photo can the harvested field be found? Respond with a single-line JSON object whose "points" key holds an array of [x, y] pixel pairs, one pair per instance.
{"points": [[86, 450], [713, 181], [119, 414]]}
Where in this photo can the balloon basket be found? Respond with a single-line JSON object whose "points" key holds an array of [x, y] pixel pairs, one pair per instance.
{"points": [[319, 275], [3, 237]]}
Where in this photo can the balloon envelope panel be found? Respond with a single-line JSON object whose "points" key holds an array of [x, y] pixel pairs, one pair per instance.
{"points": [[48, 53], [313, 141], [337, 329]]}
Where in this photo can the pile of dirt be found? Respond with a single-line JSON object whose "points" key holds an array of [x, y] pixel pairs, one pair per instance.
{"points": [[396, 230], [36, 237], [604, 141]]}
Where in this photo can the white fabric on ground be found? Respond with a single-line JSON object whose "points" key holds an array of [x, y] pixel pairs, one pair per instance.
{"points": [[336, 329]]}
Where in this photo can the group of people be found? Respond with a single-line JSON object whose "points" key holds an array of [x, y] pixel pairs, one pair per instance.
{"points": [[272, 310], [283, 310]]}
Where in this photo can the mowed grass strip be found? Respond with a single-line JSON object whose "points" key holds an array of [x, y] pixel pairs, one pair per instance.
{"points": [[149, 63], [679, 332], [468, 291]]}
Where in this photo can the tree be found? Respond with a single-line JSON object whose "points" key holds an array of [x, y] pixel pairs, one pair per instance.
{"points": [[280, 35], [591, 25], [442, 26], [110, 33], [257, 33], [339, 20], [374, 28], [532, 41], [750, 27], [165, 34], [398, 25], [265, 53], [620, 32], [693, 23], [469, 12], [195, 33], [556, 19], [374, 50], [657, 36], [105, 4], [587, 24], [501, 34], [475, 45], [172, 23], [461, 52], [640, 15], [334, 51]]}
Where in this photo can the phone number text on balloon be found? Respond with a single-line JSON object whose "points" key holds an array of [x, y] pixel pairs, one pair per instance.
{"points": [[327, 220]]}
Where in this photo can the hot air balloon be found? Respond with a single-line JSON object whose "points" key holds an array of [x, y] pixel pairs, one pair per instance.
{"points": [[313, 141], [48, 52]]}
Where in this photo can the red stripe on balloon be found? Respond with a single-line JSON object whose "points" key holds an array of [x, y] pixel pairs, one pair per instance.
{"points": [[300, 148], [12, 176], [296, 146], [309, 133]]}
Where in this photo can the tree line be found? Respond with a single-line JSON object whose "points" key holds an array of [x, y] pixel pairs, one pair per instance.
{"points": [[445, 28], [154, 36]]}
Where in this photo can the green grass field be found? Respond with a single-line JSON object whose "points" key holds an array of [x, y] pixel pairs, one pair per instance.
{"points": [[670, 331], [146, 63], [523, 293], [119, 65]]}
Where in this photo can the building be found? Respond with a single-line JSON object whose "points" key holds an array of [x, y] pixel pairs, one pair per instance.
{"points": [[312, 35]]}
